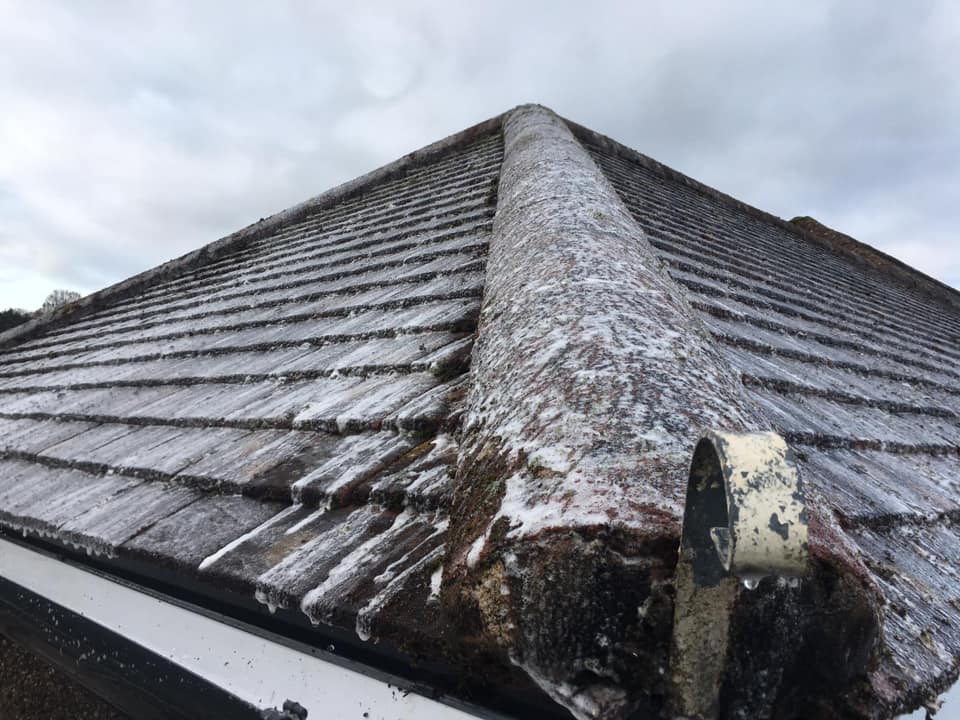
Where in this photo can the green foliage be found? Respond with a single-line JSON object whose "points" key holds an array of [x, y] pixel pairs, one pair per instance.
{"points": [[11, 317]]}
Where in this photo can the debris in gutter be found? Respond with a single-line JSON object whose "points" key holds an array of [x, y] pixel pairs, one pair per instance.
{"points": [[291, 711]]}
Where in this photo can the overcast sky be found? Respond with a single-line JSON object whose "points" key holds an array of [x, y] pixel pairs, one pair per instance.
{"points": [[132, 133]]}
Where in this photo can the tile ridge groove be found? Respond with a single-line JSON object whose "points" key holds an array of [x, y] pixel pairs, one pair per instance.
{"points": [[781, 309], [840, 312], [455, 231], [458, 328], [674, 249], [473, 231], [786, 387], [825, 441], [840, 265], [329, 425], [287, 245], [203, 483], [876, 260], [289, 319], [353, 371], [477, 264], [763, 349], [828, 340], [289, 239], [898, 521]]}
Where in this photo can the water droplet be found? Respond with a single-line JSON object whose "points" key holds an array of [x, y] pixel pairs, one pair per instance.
{"points": [[750, 582]]}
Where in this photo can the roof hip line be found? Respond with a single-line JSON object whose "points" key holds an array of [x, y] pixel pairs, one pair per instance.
{"points": [[579, 320]]}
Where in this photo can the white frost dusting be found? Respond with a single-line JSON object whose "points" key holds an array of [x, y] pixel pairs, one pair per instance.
{"points": [[391, 571], [358, 457], [477, 548], [553, 458], [211, 559], [264, 599], [579, 702], [351, 563], [393, 588], [591, 371], [300, 524], [436, 580]]}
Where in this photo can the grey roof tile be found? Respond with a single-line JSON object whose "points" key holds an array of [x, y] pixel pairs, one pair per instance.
{"points": [[183, 539]]}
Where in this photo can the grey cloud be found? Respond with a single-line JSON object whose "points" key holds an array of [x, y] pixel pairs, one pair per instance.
{"points": [[134, 133]]}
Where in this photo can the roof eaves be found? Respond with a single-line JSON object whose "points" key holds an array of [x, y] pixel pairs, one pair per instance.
{"points": [[69, 614], [241, 238]]}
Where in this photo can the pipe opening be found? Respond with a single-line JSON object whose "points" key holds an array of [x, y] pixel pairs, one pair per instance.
{"points": [[706, 541]]}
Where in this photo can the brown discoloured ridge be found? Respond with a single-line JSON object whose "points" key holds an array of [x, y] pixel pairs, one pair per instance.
{"points": [[240, 239], [800, 644], [804, 649], [591, 378]]}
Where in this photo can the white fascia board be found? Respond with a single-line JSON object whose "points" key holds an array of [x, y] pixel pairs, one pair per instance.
{"points": [[254, 668]]}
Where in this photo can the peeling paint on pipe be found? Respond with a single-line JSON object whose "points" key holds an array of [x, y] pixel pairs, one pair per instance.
{"points": [[745, 518]]}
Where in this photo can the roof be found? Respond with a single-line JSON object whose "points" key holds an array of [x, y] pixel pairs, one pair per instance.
{"points": [[448, 410]]}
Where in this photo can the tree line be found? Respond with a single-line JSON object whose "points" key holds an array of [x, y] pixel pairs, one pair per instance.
{"points": [[11, 317]]}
